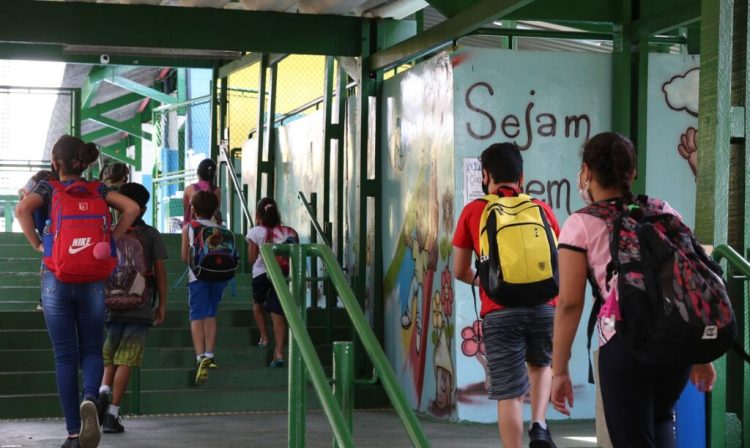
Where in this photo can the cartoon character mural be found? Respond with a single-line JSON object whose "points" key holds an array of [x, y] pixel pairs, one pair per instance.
{"points": [[418, 284], [681, 95]]}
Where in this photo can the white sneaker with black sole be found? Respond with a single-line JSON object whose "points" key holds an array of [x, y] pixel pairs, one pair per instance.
{"points": [[91, 432]]}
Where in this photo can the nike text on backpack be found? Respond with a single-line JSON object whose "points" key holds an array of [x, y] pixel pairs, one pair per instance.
{"points": [[517, 263], [672, 299], [79, 220], [213, 252], [131, 285]]}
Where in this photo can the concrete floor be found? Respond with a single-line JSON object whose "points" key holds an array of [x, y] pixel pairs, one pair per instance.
{"points": [[372, 429]]}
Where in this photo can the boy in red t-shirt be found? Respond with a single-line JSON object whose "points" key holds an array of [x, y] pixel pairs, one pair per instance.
{"points": [[518, 340]]}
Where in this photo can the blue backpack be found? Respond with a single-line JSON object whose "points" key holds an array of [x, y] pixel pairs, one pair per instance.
{"points": [[213, 252]]}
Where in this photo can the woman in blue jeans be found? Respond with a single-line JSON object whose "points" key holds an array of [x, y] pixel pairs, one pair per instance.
{"points": [[74, 312]]}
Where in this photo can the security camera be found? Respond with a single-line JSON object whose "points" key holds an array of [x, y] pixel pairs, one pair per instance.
{"points": [[104, 59]]}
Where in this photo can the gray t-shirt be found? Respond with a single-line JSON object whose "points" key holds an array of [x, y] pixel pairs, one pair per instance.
{"points": [[153, 250]]}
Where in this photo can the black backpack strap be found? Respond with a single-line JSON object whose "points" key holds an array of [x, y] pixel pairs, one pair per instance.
{"points": [[595, 308]]}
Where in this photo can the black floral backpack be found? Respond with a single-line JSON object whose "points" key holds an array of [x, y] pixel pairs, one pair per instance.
{"points": [[673, 302]]}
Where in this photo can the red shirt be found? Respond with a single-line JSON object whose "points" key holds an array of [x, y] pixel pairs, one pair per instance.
{"points": [[467, 235]]}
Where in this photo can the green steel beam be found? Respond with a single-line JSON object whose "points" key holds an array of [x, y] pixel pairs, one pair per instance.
{"points": [[75, 113], [44, 22], [575, 10], [248, 61], [463, 23], [140, 89], [687, 13], [108, 106], [545, 10], [57, 53], [118, 151], [99, 133], [131, 126]]}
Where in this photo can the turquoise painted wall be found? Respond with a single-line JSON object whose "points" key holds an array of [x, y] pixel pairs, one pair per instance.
{"points": [[548, 103]]}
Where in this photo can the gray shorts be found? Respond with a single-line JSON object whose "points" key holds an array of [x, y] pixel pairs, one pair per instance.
{"points": [[513, 337]]}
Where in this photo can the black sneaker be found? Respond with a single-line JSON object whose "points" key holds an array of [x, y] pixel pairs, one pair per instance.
{"points": [[71, 443], [91, 432], [212, 363], [540, 437], [112, 424], [102, 404]]}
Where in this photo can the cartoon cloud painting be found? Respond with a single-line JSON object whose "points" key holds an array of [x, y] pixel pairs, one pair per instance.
{"points": [[681, 94]]}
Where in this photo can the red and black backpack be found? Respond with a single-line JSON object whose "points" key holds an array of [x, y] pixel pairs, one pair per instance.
{"points": [[673, 300]]}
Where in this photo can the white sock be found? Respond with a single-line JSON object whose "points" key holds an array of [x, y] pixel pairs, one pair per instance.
{"points": [[198, 357], [114, 410], [104, 389], [209, 355], [541, 423]]}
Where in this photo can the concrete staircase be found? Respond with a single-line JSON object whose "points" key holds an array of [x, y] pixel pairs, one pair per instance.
{"points": [[243, 381]]}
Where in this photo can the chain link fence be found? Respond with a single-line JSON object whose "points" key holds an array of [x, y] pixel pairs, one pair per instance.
{"points": [[182, 138]]}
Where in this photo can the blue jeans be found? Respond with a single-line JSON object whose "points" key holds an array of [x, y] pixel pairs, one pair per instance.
{"points": [[74, 313]]}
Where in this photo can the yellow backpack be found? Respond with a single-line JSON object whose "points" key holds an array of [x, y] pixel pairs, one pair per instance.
{"points": [[517, 263]]}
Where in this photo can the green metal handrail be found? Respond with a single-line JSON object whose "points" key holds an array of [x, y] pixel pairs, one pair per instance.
{"points": [[301, 347], [717, 433]]}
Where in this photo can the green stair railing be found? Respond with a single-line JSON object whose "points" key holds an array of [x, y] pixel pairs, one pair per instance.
{"points": [[717, 429], [304, 361]]}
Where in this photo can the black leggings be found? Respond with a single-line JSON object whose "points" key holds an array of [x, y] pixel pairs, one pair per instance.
{"points": [[638, 398]]}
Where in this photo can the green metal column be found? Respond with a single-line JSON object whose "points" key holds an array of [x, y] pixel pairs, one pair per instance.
{"points": [[75, 113], [341, 95], [712, 224], [260, 128], [746, 252], [270, 168], [327, 137], [297, 375], [621, 70], [343, 381], [214, 113]]}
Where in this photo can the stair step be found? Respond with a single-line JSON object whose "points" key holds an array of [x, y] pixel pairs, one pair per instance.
{"points": [[231, 314]]}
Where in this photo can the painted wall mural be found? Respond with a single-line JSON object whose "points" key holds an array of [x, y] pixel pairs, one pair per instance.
{"points": [[672, 132], [549, 104], [419, 214]]}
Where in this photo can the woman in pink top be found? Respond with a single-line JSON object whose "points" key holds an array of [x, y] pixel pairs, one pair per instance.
{"points": [[638, 398], [206, 182]]}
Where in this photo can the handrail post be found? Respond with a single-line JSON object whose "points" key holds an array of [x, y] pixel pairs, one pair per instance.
{"points": [[343, 381], [297, 379]]}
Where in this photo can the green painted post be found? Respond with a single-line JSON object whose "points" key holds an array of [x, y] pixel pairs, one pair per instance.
{"points": [[343, 381], [8, 209], [621, 70], [340, 169], [746, 251], [297, 377], [372, 347], [314, 261], [75, 113], [273, 89], [640, 137], [260, 128]]}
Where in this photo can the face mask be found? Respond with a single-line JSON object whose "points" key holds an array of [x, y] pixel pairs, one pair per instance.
{"points": [[485, 189], [583, 190]]}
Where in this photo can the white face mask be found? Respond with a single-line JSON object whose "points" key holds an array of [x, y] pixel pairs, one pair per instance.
{"points": [[583, 189]]}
